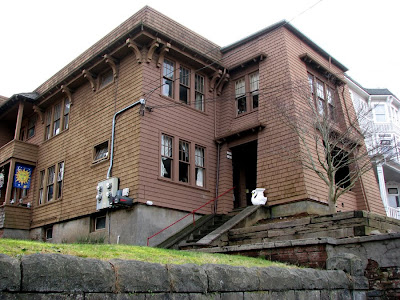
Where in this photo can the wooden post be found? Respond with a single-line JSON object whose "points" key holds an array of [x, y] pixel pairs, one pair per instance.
{"points": [[19, 120], [9, 182]]}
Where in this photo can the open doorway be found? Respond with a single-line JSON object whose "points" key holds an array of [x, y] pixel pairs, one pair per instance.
{"points": [[244, 163]]}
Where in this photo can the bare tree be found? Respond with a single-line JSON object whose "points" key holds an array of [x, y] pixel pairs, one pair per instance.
{"points": [[332, 142]]}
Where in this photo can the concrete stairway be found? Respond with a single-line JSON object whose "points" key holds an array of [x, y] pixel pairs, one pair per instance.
{"points": [[340, 225], [192, 233]]}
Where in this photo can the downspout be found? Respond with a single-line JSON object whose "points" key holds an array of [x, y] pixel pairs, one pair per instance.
{"points": [[142, 102], [219, 144], [217, 183]]}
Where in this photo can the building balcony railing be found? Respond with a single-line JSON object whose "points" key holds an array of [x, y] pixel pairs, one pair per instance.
{"points": [[19, 150], [387, 128], [15, 217], [393, 212]]}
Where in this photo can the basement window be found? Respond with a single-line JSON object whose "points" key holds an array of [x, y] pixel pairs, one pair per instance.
{"points": [[100, 151], [49, 233], [100, 223]]}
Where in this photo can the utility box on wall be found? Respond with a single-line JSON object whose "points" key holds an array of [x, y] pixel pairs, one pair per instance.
{"points": [[105, 191]]}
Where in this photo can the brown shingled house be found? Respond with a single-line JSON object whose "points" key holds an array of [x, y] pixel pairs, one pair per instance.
{"points": [[205, 124]]}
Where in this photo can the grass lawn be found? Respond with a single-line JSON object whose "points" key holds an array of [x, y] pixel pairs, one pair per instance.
{"points": [[17, 248]]}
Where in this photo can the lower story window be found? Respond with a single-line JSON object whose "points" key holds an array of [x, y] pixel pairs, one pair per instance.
{"points": [[166, 156]]}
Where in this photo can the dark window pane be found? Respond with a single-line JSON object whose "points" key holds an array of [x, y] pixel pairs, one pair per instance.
{"points": [[166, 167], [184, 94], [241, 105], [100, 223], [255, 101], [183, 172]]}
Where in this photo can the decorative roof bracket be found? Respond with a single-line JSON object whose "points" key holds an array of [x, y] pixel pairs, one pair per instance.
{"points": [[113, 64], [68, 92], [91, 78], [40, 112], [164, 49], [131, 44], [217, 75], [154, 45]]}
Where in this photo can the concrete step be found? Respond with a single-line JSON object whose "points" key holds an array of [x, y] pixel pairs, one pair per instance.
{"points": [[334, 233]]}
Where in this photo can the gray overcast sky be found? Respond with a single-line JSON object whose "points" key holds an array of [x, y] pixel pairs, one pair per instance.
{"points": [[38, 38]]}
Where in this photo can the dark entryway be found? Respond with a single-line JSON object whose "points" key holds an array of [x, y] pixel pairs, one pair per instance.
{"points": [[244, 162]]}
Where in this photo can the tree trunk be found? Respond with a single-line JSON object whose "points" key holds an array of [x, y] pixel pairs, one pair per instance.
{"points": [[331, 199]]}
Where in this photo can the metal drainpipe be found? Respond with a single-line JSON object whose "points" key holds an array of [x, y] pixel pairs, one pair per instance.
{"points": [[217, 183], [142, 102]]}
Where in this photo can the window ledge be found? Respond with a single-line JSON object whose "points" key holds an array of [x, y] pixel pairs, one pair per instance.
{"points": [[55, 136], [179, 103], [48, 203], [247, 113], [183, 184], [100, 161]]}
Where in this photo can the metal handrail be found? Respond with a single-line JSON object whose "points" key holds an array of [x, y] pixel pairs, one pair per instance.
{"points": [[191, 213]]}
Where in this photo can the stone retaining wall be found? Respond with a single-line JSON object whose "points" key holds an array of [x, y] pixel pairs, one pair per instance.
{"points": [[56, 276]]}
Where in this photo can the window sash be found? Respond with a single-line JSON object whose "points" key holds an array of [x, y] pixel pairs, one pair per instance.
{"points": [[380, 112], [166, 156], [50, 183], [60, 178], [67, 107], [240, 88], [199, 166], [254, 82], [57, 119], [41, 186], [101, 151], [168, 69], [184, 165], [31, 127]]}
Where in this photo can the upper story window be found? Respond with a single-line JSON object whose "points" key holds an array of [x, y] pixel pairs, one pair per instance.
{"points": [[184, 85], [31, 127], [168, 78], [57, 118], [188, 88], [106, 78], [240, 96], [199, 94], [247, 93], [380, 113], [254, 86], [323, 96]]}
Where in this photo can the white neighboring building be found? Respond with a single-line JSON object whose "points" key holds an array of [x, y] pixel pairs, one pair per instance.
{"points": [[384, 122]]}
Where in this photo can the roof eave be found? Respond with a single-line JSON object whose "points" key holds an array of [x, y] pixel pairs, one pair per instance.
{"points": [[294, 30]]}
